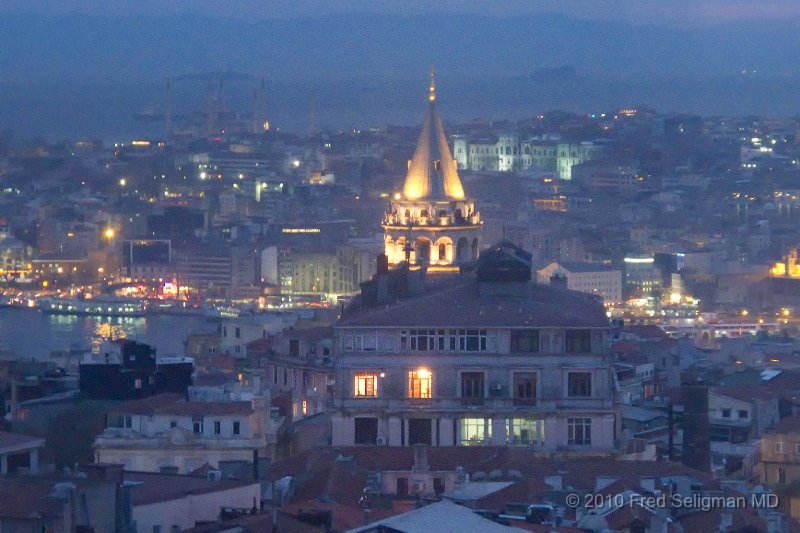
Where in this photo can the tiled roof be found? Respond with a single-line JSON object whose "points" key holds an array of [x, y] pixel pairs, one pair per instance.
{"points": [[16, 440], [22, 498], [458, 303], [256, 524], [175, 404], [790, 424], [156, 487], [646, 331], [579, 473], [747, 394], [577, 266]]}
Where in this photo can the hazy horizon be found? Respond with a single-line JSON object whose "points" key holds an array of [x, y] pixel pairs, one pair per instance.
{"points": [[69, 74]]}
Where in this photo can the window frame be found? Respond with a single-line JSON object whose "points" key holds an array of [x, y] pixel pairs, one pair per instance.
{"points": [[476, 379], [361, 384], [579, 431], [577, 340], [519, 338], [576, 391], [417, 388], [516, 382]]}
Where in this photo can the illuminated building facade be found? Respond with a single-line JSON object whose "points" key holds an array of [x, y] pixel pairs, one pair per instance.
{"points": [[488, 358], [642, 277], [509, 153], [432, 223], [591, 278]]}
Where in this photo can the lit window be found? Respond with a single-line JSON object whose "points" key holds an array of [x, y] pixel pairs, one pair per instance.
{"points": [[419, 383], [474, 431], [365, 384], [525, 431]]}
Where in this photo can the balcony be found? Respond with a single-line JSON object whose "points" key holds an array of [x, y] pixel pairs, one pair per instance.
{"points": [[472, 401], [456, 404], [524, 402]]}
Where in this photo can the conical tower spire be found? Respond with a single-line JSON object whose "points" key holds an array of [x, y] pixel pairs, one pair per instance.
{"points": [[432, 88], [432, 170]]}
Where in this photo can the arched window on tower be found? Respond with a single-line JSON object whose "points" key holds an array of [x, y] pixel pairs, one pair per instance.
{"points": [[442, 252]]}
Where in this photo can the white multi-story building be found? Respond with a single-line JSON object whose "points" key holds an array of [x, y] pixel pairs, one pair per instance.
{"points": [[488, 358], [508, 152], [591, 278], [166, 432], [236, 332]]}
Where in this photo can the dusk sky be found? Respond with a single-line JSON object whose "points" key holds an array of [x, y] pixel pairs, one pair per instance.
{"points": [[92, 63], [674, 12]]}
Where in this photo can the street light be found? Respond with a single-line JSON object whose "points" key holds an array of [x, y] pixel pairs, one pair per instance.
{"points": [[109, 233]]}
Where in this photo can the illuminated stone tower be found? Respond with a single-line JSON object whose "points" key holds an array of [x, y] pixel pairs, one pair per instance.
{"points": [[432, 222]]}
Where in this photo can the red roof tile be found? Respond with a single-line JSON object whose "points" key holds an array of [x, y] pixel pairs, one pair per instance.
{"points": [[459, 303], [174, 404]]}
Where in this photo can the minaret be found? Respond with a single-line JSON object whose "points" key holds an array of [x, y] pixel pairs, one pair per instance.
{"points": [[432, 217]]}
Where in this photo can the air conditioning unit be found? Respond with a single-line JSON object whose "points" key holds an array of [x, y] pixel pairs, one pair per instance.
{"points": [[214, 475], [381, 441]]}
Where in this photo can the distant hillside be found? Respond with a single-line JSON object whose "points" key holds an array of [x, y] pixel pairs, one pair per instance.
{"points": [[34, 47]]}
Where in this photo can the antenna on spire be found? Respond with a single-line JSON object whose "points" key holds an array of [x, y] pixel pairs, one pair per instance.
{"points": [[432, 88]]}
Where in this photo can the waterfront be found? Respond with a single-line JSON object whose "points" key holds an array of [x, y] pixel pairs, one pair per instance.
{"points": [[31, 333]]}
